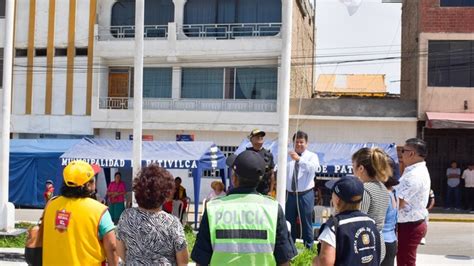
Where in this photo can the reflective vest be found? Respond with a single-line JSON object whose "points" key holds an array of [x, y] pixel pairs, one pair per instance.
{"points": [[243, 229], [71, 227]]}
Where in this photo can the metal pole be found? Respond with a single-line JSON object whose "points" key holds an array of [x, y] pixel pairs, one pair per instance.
{"points": [[284, 100], [7, 210], [138, 90]]}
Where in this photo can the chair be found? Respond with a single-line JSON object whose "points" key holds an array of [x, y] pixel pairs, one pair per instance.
{"points": [[321, 214], [177, 208], [185, 212]]}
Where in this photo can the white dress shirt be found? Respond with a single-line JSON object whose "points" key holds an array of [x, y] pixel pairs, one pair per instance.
{"points": [[414, 189], [468, 177], [308, 165]]}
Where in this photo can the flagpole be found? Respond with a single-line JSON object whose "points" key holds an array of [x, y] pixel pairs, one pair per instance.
{"points": [[284, 100], [7, 209], [138, 91]]}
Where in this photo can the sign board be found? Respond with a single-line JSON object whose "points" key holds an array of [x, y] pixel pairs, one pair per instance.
{"points": [[144, 137], [184, 137]]}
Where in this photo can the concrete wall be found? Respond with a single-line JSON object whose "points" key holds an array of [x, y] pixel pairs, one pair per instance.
{"points": [[441, 99], [355, 107], [409, 66], [302, 51], [346, 130]]}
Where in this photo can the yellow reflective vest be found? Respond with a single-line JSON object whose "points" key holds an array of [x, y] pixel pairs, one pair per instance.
{"points": [[71, 232]]}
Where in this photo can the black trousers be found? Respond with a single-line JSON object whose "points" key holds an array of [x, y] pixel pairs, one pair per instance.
{"points": [[390, 254]]}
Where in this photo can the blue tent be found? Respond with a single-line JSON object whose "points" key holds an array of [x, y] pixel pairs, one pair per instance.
{"points": [[195, 155], [32, 162], [335, 159]]}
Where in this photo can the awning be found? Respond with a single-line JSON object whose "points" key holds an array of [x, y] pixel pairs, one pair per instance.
{"points": [[450, 120]]}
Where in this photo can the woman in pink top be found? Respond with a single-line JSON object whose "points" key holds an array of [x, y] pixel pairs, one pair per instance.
{"points": [[116, 194]]}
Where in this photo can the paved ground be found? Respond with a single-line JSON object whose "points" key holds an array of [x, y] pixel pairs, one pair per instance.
{"points": [[448, 243]]}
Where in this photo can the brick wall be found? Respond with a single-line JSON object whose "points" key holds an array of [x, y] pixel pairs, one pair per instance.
{"points": [[302, 52], [409, 65], [434, 18]]}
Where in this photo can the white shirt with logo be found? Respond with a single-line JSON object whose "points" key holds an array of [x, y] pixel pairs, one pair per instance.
{"points": [[414, 189]]}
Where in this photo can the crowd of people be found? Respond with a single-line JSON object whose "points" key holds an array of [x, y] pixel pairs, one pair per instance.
{"points": [[377, 219], [454, 189]]}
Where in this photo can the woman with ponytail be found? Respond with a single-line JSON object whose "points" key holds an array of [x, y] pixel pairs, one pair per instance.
{"points": [[372, 167]]}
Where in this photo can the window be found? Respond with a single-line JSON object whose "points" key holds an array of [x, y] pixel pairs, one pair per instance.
{"points": [[40, 51], [60, 52], [2, 8], [457, 3], [451, 63], [258, 83], [81, 51], [232, 12], [157, 12], [21, 52], [157, 82], [203, 83]]}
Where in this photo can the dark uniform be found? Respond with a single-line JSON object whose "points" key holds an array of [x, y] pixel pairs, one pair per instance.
{"points": [[264, 185], [357, 238]]}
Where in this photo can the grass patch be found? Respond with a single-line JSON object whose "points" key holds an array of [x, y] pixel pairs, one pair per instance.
{"points": [[15, 241], [305, 256], [190, 237]]}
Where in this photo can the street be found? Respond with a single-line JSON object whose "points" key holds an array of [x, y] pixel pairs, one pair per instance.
{"points": [[449, 239]]}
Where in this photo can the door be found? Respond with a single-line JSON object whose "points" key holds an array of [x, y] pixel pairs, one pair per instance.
{"points": [[119, 84]]}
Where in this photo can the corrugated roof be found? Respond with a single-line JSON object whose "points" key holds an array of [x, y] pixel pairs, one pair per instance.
{"points": [[353, 83]]}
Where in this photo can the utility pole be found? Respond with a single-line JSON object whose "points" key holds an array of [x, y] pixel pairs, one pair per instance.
{"points": [[138, 91], [7, 209], [284, 99]]}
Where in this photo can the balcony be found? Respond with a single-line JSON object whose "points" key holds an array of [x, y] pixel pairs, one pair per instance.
{"points": [[128, 32], [217, 105], [217, 31]]}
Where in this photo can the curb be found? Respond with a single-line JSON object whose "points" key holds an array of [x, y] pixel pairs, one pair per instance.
{"points": [[454, 220]]}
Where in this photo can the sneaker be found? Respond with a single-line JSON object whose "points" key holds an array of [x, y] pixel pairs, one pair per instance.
{"points": [[423, 241]]}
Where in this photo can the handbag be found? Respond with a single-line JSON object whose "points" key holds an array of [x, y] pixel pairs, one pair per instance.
{"points": [[34, 244]]}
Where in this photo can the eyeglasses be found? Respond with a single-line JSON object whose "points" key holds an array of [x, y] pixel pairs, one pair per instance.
{"points": [[404, 150]]}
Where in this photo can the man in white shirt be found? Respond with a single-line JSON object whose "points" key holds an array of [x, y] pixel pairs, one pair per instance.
{"points": [[413, 191], [468, 176], [299, 186]]}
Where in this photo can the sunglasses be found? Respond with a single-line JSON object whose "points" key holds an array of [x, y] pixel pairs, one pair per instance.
{"points": [[404, 150]]}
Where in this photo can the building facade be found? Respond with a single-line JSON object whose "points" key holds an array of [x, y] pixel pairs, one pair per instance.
{"points": [[438, 72], [211, 68]]}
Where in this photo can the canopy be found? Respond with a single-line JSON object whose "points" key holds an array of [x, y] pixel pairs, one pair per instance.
{"points": [[195, 155], [335, 159], [32, 162], [450, 120]]}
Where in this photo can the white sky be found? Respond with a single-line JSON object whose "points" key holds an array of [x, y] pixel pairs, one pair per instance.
{"points": [[374, 24]]}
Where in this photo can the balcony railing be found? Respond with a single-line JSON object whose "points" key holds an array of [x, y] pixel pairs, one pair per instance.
{"points": [[128, 32], [191, 104], [230, 31]]}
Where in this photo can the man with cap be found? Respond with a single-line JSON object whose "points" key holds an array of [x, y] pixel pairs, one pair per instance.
{"points": [[244, 227], [77, 229], [350, 237], [267, 185]]}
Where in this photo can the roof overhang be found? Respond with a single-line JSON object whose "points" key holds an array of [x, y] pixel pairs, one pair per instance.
{"points": [[450, 120]]}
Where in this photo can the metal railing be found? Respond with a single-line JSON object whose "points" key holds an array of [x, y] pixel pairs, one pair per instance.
{"points": [[128, 32], [230, 31], [191, 104]]}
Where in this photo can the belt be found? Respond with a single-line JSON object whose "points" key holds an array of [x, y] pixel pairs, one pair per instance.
{"points": [[299, 192], [414, 222]]}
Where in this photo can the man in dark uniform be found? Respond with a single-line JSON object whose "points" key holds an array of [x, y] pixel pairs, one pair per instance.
{"points": [[267, 185]]}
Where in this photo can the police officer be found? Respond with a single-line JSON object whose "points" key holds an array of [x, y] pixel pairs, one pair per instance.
{"points": [[267, 185], [350, 237], [244, 227]]}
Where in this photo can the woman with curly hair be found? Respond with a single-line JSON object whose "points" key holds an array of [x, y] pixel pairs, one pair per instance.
{"points": [[147, 235]]}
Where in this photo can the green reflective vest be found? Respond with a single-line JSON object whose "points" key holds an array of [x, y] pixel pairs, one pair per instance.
{"points": [[243, 229]]}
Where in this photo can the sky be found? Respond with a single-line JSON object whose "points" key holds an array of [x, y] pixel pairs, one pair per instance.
{"points": [[372, 32]]}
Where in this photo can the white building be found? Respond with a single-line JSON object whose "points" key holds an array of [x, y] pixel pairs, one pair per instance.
{"points": [[211, 68]]}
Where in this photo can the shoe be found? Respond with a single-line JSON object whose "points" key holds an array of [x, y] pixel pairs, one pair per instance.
{"points": [[423, 241]]}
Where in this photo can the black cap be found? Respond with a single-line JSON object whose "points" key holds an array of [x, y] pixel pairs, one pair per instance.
{"points": [[349, 188], [247, 165], [256, 132]]}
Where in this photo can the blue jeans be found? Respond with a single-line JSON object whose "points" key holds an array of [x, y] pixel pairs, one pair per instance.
{"points": [[453, 197], [306, 206]]}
